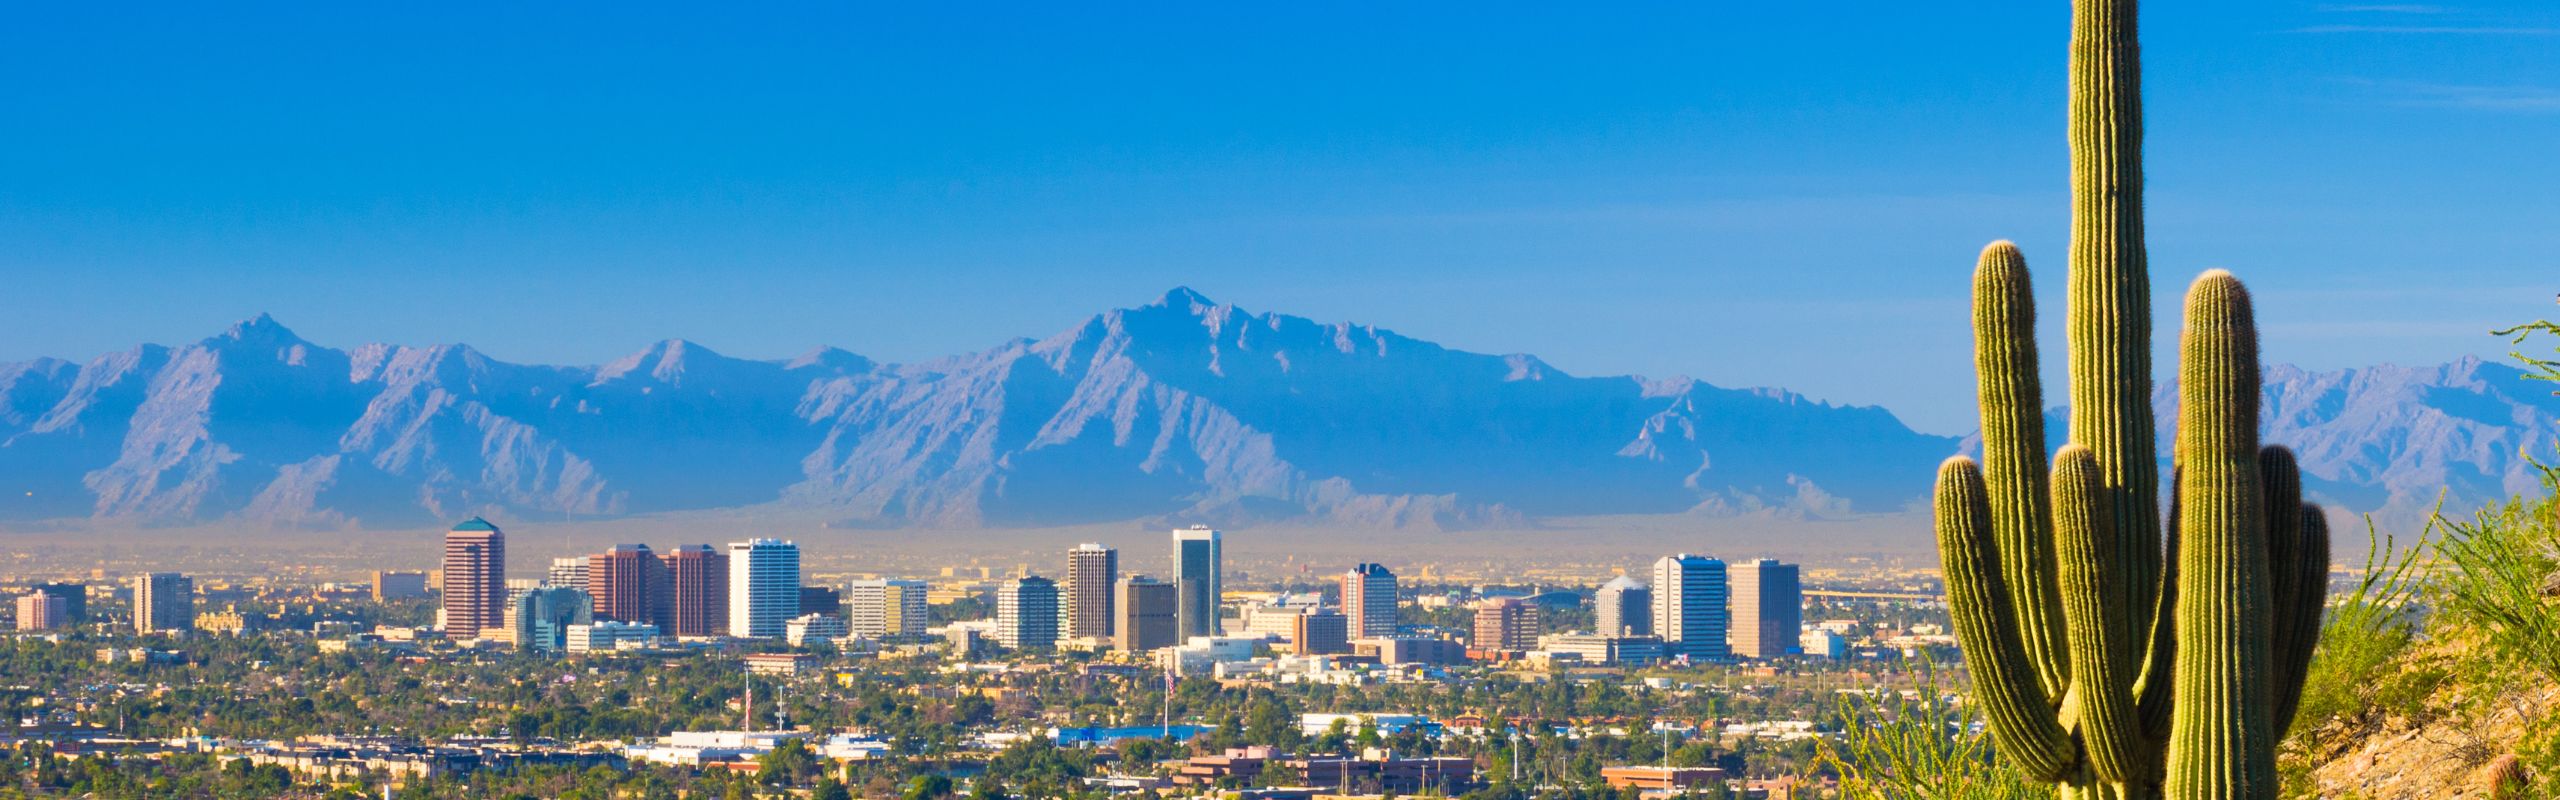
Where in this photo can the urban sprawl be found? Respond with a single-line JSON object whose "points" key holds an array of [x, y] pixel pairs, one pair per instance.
{"points": [[708, 670]]}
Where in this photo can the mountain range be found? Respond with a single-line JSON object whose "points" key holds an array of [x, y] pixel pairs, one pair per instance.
{"points": [[1180, 410]]}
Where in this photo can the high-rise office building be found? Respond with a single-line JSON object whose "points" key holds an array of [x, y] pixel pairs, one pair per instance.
{"points": [[164, 601], [1320, 632], [1027, 613], [75, 599], [1689, 610], [38, 611], [391, 585], [878, 609], [569, 571], [541, 617], [475, 578], [1092, 570], [697, 591], [628, 583], [1147, 616], [1768, 609], [1622, 607], [1506, 623], [764, 587], [1198, 564], [1369, 601]]}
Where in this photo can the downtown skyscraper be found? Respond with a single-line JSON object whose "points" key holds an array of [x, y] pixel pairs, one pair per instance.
{"points": [[475, 579], [1506, 624], [1689, 610], [697, 591], [1027, 613], [629, 584], [1145, 608], [1768, 608], [1622, 607], [885, 607], [764, 587], [1199, 561], [164, 601], [1092, 569], [1369, 601]]}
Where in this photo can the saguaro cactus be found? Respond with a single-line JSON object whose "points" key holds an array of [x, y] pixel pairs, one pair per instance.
{"points": [[2114, 656]]}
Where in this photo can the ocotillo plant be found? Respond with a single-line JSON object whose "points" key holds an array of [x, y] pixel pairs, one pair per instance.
{"points": [[2113, 655]]}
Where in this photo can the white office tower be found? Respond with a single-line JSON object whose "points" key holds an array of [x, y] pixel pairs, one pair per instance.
{"points": [[878, 609], [1197, 561], [1622, 607], [764, 587], [570, 572], [1027, 613], [1768, 609], [1689, 610], [1369, 600]]}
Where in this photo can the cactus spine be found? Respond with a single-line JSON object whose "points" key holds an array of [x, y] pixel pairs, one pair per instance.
{"points": [[2113, 654]]}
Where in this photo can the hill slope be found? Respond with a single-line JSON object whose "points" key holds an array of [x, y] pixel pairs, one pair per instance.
{"points": [[1178, 410]]}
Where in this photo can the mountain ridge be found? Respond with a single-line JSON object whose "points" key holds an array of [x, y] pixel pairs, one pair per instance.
{"points": [[1178, 410]]}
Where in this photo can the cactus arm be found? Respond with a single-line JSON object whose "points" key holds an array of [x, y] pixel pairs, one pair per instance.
{"points": [[2153, 689], [2023, 723], [2103, 637], [2280, 482], [2299, 613], [2221, 745], [2004, 330], [2110, 291]]}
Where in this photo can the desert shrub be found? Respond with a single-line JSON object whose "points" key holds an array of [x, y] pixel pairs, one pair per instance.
{"points": [[2499, 579], [2364, 633], [1924, 746]]}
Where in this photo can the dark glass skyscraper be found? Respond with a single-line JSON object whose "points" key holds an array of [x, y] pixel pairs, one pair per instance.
{"points": [[1197, 566]]}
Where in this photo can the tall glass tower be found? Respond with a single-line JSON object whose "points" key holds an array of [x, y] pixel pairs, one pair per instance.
{"points": [[1690, 611], [1198, 559], [764, 586]]}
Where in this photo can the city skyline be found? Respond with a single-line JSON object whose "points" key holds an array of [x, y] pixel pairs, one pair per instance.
{"points": [[1492, 402]]}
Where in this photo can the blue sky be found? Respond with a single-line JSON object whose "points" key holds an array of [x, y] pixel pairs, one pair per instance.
{"points": [[1751, 193]]}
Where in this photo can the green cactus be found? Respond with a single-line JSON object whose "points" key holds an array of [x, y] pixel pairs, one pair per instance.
{"points": [[2114, 655]]}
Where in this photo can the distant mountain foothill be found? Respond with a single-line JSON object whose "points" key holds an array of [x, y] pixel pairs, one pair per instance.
{"points": [[1181, 410]]}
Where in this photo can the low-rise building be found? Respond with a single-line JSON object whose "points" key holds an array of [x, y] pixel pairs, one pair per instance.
{"points": [[1202, 654], [697, 748], [1662, 779], [609, 635], [788, 665], [1824, 643], [809, 629], [1411, 650], [1607, 650], [1373, 770]]}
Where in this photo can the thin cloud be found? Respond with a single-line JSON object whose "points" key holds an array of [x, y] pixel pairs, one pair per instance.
{"points": [[2432, 30], [2476, 98], [2384, 9]]}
